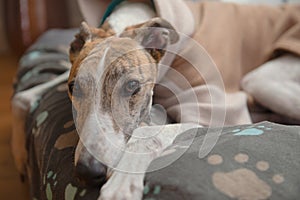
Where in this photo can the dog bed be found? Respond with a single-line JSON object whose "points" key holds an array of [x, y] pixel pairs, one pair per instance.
{"points": [[257, 161]]}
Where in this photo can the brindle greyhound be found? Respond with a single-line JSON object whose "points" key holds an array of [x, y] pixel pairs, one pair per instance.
{"points": [[126, 74], [111, 79]]}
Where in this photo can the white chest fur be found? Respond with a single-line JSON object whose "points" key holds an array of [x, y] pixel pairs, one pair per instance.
{"points": [[128, 14]]}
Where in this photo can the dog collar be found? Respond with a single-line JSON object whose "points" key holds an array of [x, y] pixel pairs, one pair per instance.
{"points": [[112, 6]]}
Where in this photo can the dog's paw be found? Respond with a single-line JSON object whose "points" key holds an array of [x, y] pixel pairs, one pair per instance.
{"points": [[123, 186]]}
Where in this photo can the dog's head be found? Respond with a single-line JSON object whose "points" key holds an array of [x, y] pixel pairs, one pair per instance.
{"points": [[111, 84]]}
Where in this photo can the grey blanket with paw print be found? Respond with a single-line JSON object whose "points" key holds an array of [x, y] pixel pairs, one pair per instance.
{"points": [[258, 161]]}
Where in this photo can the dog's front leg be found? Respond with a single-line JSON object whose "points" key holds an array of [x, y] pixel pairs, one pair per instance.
{"points": [[146, 144]]}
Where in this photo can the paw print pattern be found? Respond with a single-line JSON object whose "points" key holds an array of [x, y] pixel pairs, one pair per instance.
{"points": [[251, 131], [243, 183]]}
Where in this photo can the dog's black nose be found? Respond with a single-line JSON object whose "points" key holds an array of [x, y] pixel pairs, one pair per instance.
{"points": [[91, 172]]}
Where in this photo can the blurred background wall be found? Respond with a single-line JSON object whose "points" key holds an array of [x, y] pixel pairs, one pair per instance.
{"points": [[22, 21], [3, 41]]}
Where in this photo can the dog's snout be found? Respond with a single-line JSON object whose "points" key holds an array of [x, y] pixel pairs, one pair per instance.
{"points": [[91, 172]]}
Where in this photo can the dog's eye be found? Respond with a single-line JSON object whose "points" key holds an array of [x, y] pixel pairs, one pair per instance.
{"points": [[75, 89], [131, 88]]}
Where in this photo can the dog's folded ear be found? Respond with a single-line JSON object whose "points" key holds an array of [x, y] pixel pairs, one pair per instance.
{"points": [[86, 34], [81, 38], [154, 35]]}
